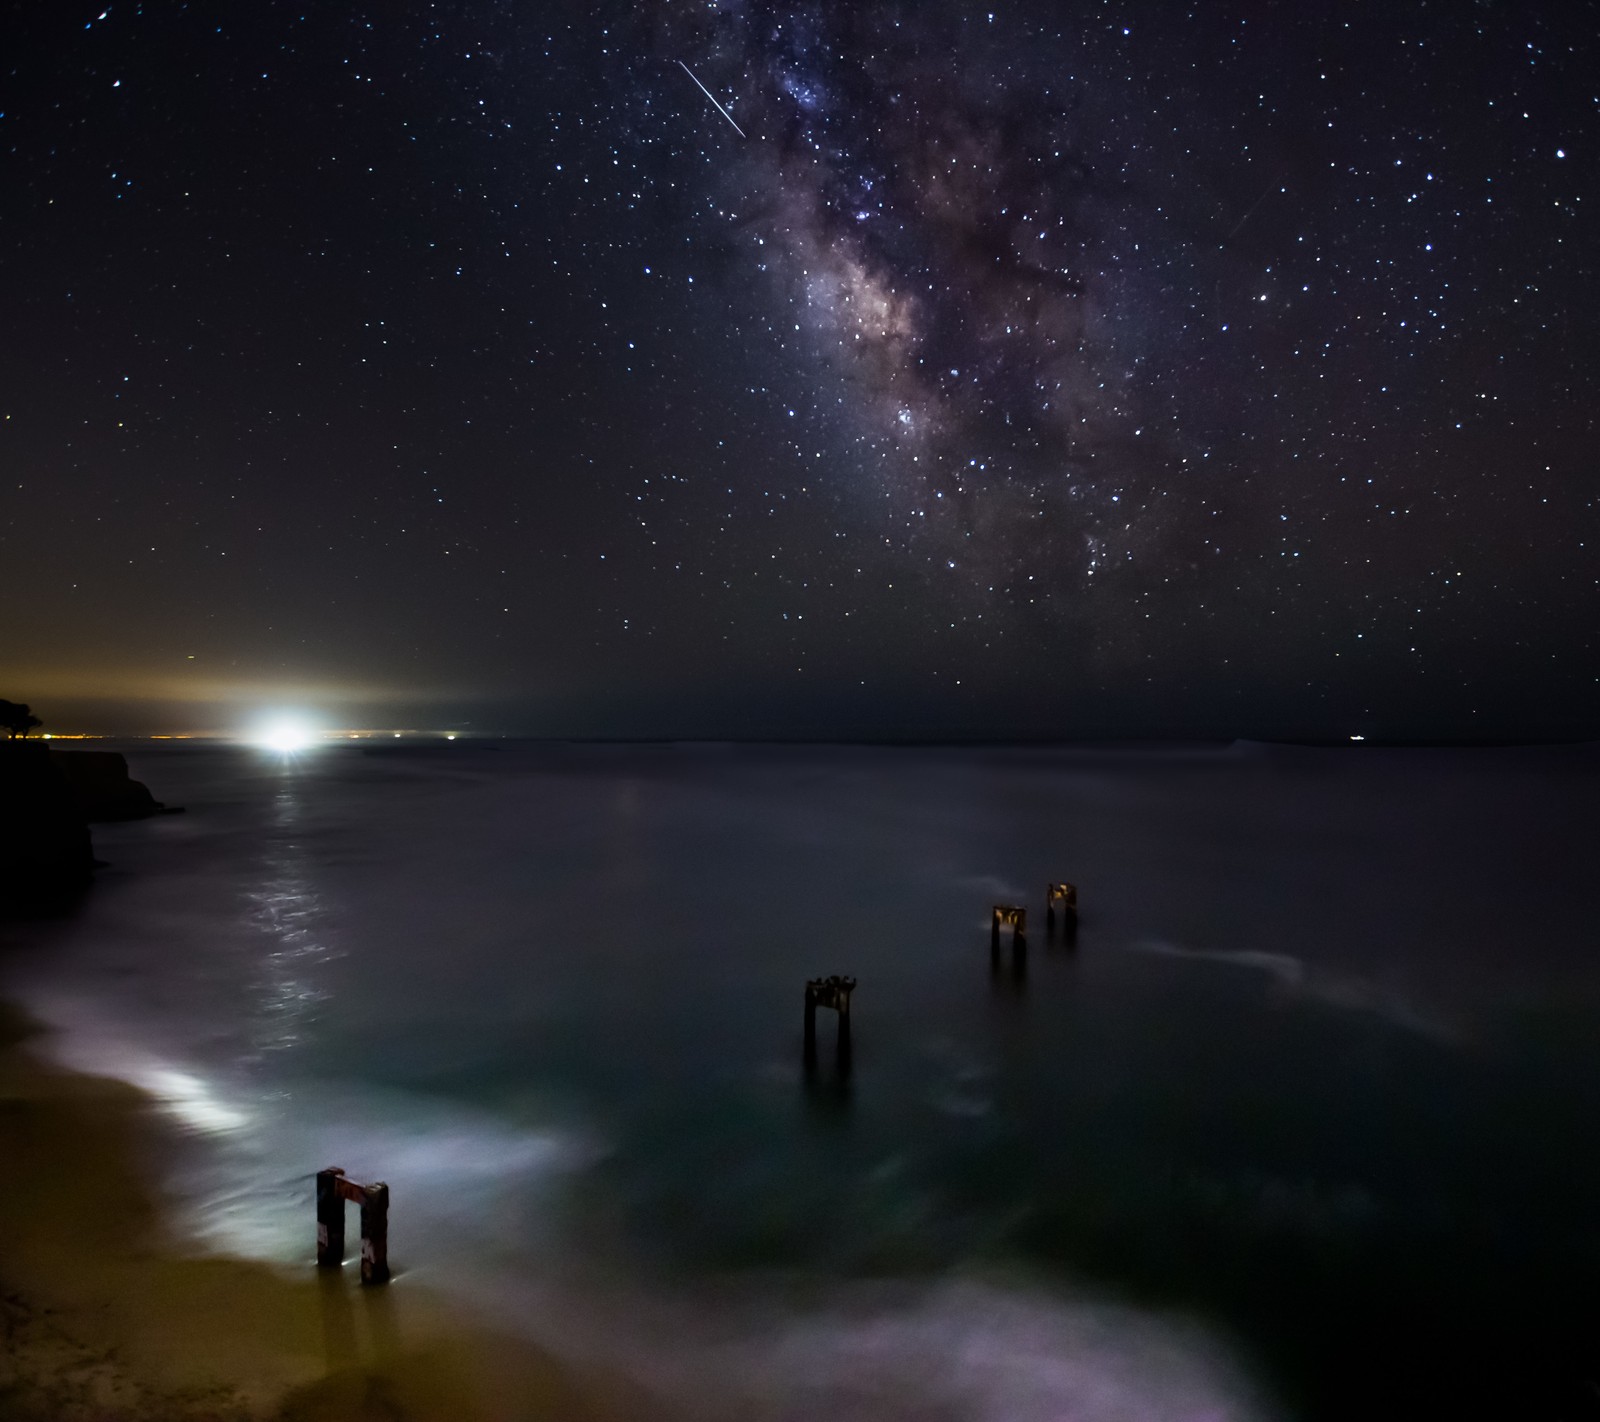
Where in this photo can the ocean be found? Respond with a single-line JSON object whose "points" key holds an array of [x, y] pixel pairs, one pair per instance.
{"points": [[1300, 1123]]}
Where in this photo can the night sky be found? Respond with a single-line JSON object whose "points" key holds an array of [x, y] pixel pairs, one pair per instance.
{"points": [[1055, 370]]}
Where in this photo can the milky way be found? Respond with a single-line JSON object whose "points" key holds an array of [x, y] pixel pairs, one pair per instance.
{"points": [[932, 208]]}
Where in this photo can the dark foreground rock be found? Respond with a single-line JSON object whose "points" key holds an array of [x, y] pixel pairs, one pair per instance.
{"points": [[45, 856], [100, 782]]}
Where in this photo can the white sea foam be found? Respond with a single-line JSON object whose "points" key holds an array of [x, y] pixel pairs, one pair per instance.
{"points": [[981, 1353], [957, 1350], [1296, 977], [1000, 889]]}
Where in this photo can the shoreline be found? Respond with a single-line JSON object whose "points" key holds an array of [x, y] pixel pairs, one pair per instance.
{"points": [[104, 1316]]}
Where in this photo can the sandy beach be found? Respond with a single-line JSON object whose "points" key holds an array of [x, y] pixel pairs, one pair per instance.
{"points": [[104, 1315]]}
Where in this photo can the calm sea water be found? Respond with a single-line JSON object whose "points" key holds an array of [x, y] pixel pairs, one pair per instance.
{"points": [[1305, 1123]]}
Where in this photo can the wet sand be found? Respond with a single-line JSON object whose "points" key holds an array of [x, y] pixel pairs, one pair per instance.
{"points": [[105, 1316]]}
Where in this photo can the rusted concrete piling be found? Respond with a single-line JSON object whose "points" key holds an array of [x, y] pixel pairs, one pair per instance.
{"points": [[330, 1219], [1017, 918], [831, 992], [375, 1234], [333, 1190], [1066, 896]]}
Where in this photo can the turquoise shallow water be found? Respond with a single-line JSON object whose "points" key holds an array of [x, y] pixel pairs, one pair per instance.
{"points": [[1301, 1124]]}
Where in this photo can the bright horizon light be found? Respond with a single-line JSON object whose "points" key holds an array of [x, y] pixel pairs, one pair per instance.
{"points": [[286, 735]]}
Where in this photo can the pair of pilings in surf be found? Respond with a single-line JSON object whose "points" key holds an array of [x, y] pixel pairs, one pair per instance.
{"points": [[333, 1190], [1056, 894]]}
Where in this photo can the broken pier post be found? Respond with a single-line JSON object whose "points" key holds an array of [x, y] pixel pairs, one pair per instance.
{"points": [[1066, 895], [831, 992], [1017, 918], [375, 1235], [330, 1219], [333, 1190]]}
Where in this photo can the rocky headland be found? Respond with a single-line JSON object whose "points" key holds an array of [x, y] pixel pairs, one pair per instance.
{"points": [[46, 857], [48, 799], [100, 783]]}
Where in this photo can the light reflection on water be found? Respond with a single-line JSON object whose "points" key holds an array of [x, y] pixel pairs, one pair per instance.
{"points": [[286, 910]]}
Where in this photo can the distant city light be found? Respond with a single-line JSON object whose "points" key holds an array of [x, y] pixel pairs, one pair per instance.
{"points": [[286, 735]]}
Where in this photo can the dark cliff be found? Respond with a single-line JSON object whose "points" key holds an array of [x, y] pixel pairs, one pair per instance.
{"points": [[100, 784], [45, 854]]}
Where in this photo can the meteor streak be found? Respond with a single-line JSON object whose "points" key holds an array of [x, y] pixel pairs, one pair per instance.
{"points": [[712, 97]]}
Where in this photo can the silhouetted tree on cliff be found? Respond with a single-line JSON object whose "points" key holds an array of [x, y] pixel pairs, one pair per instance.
{"points": [[17, 719]]}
